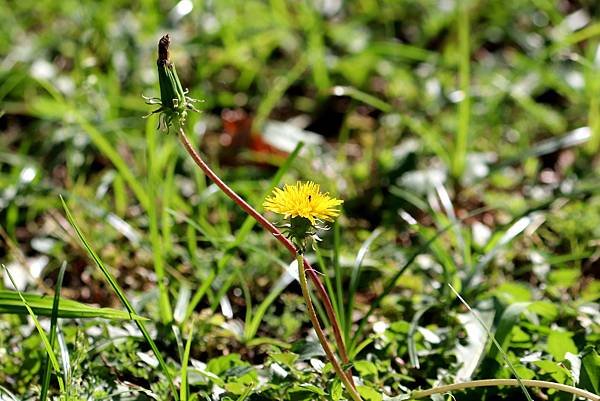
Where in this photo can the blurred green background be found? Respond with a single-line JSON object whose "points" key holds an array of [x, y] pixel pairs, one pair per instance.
{"points": [[419, 114]]}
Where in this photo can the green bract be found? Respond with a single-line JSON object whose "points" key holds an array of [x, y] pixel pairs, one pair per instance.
{"points": [[174, 102], [301, 231]]}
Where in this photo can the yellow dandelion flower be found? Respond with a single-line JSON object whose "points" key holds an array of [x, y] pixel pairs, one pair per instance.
{"points": [[304, 199]]}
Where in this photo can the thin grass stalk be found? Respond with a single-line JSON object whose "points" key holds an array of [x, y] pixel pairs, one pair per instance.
{"points": [[48, 347], [184, 390], [338, 274], [158, 251], [267, 225], [491, 335], [594, 115], [53, 323], [504, 382], [464, 106], [327, 279], [123, 298]]}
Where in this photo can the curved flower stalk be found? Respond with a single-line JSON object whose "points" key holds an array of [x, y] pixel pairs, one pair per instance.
{"points": [[305, 209], [267, 225], [174, 106]]}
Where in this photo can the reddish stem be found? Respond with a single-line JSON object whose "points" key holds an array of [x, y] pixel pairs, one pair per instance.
{"points": [[267, 225]]}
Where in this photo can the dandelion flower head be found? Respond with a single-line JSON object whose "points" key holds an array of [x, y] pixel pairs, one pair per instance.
{"points": [[304, 199]]}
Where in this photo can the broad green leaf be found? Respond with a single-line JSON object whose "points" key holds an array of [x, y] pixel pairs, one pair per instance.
{"points": [[559, 343], [369, 394], [312, 388], [565, 277], [511, 292], [223, 363], [336, 390], [591, 292], [365, 368], [284, 358], [524, 373], [558, 373], [236, 388], [590, 372], [545, 309]]}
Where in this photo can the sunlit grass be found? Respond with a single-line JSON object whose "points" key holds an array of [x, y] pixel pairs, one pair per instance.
{"points": [[463, 139]]}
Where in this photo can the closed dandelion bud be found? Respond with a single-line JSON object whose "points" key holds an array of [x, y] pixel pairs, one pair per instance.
{"points": [[174, 102]]}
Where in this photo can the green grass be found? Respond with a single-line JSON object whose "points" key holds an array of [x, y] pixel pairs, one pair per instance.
{"points": [[462, 137]]}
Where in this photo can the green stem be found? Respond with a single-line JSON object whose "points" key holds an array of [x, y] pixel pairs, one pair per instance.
{"points": [[504, 382], [464, 106], [164, 304], [266, 224], [317, 326]]}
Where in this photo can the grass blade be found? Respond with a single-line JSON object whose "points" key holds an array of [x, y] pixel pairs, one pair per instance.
{"points": [[10, 302], [277, 91], [43, 336], [5, 392], [410, 341], [121, 295], [338, 274], [513, 231], [355, 275], [158, 245], [508, 319], [260, 311], [573, 138], [99, 139], [489, 332], [64, 356], [391, 283], [53, 323], [464, 107], [183, 299], [184, 390], [363, 97], [328, 282]]}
